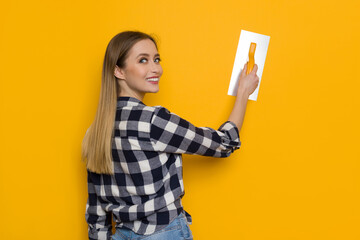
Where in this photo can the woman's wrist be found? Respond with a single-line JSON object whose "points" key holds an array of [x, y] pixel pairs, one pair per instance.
{"points": [[242, 95]]}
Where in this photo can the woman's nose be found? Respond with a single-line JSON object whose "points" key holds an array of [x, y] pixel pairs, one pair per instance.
{"points": [[156, 68]]}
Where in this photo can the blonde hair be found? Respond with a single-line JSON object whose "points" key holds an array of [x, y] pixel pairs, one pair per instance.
{"points": [[96, 145]]}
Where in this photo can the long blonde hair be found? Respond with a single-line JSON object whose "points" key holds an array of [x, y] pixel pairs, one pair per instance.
{"points": [[96, 145]]}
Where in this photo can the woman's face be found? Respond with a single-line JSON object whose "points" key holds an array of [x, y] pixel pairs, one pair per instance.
{"points": [[142, 70]]}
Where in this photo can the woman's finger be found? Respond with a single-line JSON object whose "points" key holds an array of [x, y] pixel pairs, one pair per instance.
{"points": [[255, 68]]}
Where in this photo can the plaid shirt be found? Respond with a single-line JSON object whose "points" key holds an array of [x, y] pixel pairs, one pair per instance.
{"points": [[145, 192]]}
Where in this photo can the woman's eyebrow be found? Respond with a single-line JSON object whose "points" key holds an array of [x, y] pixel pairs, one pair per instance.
{"points": [[147, 55]]}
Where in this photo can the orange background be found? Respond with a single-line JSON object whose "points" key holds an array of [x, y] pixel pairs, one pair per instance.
{"points": [[296, 175]]}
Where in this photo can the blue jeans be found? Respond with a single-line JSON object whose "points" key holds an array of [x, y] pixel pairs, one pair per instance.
{"points": [[176, 230]]}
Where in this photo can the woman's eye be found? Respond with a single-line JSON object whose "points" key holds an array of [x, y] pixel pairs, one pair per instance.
{"points": [[143, 60], [157, 60]]}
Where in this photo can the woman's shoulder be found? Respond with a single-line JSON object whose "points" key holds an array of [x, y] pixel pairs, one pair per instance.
{"points": [[146, 108], [140, 112]]}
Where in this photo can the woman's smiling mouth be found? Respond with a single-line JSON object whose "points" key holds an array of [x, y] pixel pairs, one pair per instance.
{"points": [[153, 80]]}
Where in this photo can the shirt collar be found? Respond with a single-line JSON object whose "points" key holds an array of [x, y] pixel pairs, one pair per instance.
{"points": [[128, 101]]}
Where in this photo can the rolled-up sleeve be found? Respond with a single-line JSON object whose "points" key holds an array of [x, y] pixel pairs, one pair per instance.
{"points": [[171, 133], [99, 221]]}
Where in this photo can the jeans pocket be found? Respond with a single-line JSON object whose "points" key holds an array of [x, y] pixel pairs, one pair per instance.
{"points": [[118, 236], [169, 232], [186, 228]]}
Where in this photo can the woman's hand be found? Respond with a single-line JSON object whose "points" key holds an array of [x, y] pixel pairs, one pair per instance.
{"points": [[248, 83]]}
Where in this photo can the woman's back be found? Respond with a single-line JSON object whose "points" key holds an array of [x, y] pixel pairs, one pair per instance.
{"points": [[145, 192]]}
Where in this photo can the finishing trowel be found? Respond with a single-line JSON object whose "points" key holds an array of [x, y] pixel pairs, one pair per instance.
{"points": [[252, 48]]}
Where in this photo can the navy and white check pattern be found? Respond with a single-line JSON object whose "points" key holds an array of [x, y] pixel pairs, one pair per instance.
{"points": [[145, 192]]}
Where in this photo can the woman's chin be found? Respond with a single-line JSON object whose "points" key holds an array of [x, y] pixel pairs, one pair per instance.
{"points": [[153, 90]]}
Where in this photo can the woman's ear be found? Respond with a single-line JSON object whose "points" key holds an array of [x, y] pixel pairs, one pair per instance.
{"points": [[119, 73]]}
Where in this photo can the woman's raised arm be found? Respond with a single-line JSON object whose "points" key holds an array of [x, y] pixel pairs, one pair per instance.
{"points": [[247, 85]]}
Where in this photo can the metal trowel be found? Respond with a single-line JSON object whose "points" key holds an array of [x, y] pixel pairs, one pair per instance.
{"points": [[252, 48]]}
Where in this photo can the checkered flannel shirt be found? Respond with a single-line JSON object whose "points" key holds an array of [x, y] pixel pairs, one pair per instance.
{"points": [[145, 192]]}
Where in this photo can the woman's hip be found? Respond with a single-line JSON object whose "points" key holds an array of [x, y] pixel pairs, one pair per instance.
{"points": [[178, 229]]}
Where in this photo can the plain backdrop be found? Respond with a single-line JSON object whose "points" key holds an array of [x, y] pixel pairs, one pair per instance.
{"points": [[296, 175]]}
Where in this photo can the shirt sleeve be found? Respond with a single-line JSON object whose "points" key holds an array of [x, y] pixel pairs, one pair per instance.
{"points": [[99, 221], [171, 133]]}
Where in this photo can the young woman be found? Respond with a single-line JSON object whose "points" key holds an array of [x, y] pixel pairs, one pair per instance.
{"points": [[133, 151]]}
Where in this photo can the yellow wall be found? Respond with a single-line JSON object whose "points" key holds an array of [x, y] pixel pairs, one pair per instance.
{"points": [[296, 175]]}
